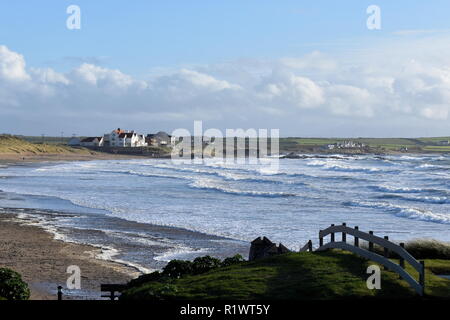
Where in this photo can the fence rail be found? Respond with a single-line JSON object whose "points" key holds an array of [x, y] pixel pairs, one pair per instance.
{"points": [[307, 247], [387, 246]]}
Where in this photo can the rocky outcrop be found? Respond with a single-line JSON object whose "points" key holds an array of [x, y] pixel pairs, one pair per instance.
{"points": [[263, 247]]}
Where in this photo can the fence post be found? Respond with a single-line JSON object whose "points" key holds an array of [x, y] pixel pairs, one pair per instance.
{"points": [[422, 277], [320, 239], [356, 238], [386, 251], [59, 293], [344, 235], [332, 234], [370, 242], [310, 246], [402, 261]]}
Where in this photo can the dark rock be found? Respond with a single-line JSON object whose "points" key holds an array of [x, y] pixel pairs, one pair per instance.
{"points": [[263, 247]]}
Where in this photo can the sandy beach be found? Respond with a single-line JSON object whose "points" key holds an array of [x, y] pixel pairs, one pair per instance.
{"points": [[9, 158], [42, 261]]}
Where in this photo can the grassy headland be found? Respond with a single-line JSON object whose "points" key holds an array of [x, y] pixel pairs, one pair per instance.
{"points": [[333, 274], [373, 145]]}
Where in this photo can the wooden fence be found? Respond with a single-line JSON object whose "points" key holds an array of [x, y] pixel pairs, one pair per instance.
{"points": [[384, 242]]}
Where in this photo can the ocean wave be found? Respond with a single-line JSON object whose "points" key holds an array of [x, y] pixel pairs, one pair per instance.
{"points": [[392, 189], [425, 199], [402, 211], [230, 176], [180, 253], [213, 185], [396, 189], [343, 167]]}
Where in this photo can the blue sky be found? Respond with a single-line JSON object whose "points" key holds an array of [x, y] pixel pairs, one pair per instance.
{"points": [[131, 34], [223, 46]]}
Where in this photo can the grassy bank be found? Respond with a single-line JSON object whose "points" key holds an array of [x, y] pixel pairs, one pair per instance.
{"points": [[14, 145], [319, 275]]}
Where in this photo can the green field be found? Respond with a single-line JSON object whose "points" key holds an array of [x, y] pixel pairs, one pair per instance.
{"points": [[419, 145], [333, 274]]}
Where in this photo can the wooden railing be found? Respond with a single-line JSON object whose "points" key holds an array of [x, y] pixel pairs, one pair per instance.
{"points": [[307, 247], [387, 246]]}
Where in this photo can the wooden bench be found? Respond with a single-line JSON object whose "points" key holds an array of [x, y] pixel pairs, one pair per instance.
{"points": [[112, 289]]}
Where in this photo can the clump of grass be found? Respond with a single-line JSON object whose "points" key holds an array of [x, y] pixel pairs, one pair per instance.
{"points": [[428, 249], [420, 249]]}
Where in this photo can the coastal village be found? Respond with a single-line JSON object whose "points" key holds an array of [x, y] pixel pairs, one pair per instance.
{"points": [[125, 139], [131, 141]]}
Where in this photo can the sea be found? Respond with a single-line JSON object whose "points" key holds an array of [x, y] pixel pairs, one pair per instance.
{"points": [[146, 212]]}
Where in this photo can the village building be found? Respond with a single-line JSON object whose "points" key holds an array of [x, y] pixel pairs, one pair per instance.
{"points": [[160, 139], [444, 142], [74, 141], [345, 145], [92, 142], [122, 138]]}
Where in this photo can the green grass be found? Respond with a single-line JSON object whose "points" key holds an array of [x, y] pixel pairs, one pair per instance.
{"points": [[320, 275], [437, 148], [419, 249], [420, 145]]}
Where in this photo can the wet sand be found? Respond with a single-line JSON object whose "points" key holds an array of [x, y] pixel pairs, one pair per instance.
{"points": [[7, 158], [43, 261]]}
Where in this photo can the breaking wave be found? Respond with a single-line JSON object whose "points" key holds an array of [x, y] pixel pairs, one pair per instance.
{"points": [[212, 185], [402, 211]]}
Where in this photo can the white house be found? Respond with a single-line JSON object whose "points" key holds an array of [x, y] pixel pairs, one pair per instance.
{"points": [[122, 138], [132, 139], [92, 142]]}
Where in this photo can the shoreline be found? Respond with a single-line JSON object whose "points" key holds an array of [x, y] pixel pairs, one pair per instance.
{"points": [[41, 253], [15, 159], [42, 261]]}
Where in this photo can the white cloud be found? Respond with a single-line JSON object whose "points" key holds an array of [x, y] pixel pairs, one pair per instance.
{"points": [[436, 112], [48, 76], [12, 65], [201, 80], [286, 88], [102, 78], [397, 83], [313, 62], [349, 101]]}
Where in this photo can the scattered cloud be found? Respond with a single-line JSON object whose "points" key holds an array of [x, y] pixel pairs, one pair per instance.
{"points": [[393, 88]]}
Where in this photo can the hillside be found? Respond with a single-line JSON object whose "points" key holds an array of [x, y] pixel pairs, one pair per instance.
{"points": [[305, 276], [14, 145]]}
